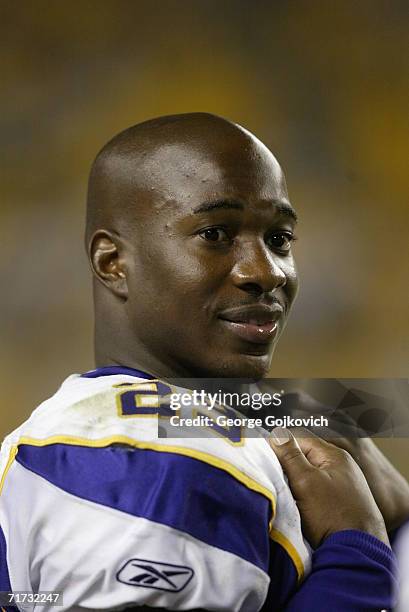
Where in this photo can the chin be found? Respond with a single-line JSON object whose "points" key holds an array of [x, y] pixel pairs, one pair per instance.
{"points": [[245, 366]]}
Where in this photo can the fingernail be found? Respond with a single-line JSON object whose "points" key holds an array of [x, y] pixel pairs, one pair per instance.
{"points": [[280, 435]]}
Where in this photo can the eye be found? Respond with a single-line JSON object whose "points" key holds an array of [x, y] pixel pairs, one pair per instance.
{"points": [[280, 241], [214, 234]]}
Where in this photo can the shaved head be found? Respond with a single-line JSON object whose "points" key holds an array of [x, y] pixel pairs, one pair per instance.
{"points": [[136, 163], [188, 219]]}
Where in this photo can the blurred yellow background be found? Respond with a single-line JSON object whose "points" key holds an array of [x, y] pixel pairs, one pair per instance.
{"points": [[323, 83]]}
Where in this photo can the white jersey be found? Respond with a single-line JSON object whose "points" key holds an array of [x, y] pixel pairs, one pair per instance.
{"points": [[96, 505]]}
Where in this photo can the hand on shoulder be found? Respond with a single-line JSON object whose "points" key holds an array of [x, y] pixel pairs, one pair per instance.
{"points": [[328, 486]]}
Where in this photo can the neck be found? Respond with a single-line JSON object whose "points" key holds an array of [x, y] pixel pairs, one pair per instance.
{"points": [[175, 375]]}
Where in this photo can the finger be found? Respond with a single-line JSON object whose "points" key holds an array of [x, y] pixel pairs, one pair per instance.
{"points": [[317, 451], [289, 454], [302, 433]]}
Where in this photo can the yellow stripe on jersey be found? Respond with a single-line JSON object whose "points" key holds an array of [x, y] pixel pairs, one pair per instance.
{"points": [[12, 455], [290, 549]]}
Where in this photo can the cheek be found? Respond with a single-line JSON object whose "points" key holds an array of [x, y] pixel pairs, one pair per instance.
{"points": [[292, 284], [176, 277], [189, 268]]}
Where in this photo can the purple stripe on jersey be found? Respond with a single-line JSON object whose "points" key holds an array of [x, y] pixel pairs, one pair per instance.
{"points": [[110, 370], [181, 492], [284, 579], [4, 572]]}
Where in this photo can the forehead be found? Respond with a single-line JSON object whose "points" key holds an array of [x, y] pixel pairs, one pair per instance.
{"points": [[181, 176]]}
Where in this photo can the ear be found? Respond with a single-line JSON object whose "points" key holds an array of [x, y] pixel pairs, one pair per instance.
{"points": [[107, 264]]}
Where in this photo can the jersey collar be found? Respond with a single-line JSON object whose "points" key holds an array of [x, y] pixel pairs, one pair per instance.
{"points": [[111, 370]]}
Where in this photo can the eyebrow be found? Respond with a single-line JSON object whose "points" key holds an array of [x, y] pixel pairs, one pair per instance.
{"points": [[284, 209]]}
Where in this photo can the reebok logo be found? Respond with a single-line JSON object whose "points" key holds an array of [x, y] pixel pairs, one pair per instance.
{"points": [[155, 575]]}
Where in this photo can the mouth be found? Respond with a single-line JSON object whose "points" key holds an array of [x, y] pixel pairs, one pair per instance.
{"points": [[256, 324]]}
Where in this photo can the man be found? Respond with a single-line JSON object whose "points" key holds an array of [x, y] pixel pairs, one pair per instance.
{"points": [[189, 232]]}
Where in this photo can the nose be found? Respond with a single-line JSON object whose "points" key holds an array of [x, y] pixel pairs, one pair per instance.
{"points": [[258, 271]]}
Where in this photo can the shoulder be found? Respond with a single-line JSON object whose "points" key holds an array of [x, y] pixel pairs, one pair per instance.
{"points": [[100, 451]]}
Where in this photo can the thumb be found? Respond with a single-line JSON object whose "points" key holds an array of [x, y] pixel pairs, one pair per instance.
{"points": [[289, 454]]}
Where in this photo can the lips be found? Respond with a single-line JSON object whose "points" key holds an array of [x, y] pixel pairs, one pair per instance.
{"points": [[257, 324]]}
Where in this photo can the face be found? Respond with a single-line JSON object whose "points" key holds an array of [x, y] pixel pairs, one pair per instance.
{"points": [[210, 270]]}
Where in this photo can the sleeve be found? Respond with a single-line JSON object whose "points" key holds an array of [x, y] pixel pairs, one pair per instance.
{"points": [[352, 571], [113, 527], [401, 548]]}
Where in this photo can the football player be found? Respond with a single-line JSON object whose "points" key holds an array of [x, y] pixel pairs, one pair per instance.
{"points": [[189, 236]]}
